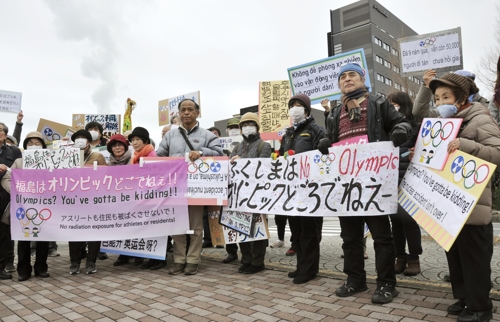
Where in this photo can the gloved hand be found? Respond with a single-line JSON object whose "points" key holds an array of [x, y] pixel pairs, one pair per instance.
{"points": [[399, 137], [323, 145]]}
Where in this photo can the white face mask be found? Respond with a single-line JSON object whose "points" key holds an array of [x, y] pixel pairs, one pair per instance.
{"points": [[233, 132], [34, 147], [81, 143], [297, 114], [247, 130], [95, 135]]}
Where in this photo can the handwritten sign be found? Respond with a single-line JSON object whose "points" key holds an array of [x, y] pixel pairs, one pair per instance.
{"points": [[170, 106], [441, 51], [431, 148], [353, 180], [442, 201], [273, 106], [230, 142], [10, 102], [242, 222], [155, 248], [107, 203], [62, 158], [53, 131], [111, 123], [261, 231], [207, 180], [319, 79], [362, 139]]}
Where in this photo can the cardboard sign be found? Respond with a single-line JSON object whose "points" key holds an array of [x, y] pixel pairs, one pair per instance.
{"points": [[242, 222], [52, 131], [10, 102], [441, 51], [273, 107], [111, 123], [319, 79]]}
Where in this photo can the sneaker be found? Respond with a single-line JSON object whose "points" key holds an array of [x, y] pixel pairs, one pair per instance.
{"points": [[90, 268], [457, 308], [191, 269], [177, 268], [384, 294], [53, 253], [349, 289], [290, 252], [278, 244], [74, 269], [243, 267], [9, 267]]}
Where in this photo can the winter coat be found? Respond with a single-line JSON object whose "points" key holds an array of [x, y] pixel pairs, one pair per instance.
{"points": [[124, 159], [404, 162], [494, 111], [303, 138], [249, 148], [382, 120], [8, 156], [94, 156], [174, 145], [480, 137]]}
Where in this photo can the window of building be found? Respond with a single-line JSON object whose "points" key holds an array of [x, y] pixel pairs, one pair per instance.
{"points": [[395, 52], [388, 81], [410, 78], [379, 59], [397, 86], [378, 41], [386, 47], [380, 78], [387, 64], [403, 89], [395, 68], [356, 15], [411, 93]]}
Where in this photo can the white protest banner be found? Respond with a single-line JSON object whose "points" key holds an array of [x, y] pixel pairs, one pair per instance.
{"points": [[155, 248], [242, 222], [230, 142], [260, 232], [349, 181], [441, 201], [170, 106], [273, 108], [111, 123], [207, 179], [431, 148], [441, 51], [10, 101], [84, 204], [62, 158], [319, 79]]}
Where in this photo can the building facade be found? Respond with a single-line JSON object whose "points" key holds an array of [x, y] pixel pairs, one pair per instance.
{"points": [[369, 25]]}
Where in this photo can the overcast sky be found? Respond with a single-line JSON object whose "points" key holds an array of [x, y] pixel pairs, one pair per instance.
{"points": [[89, 56]]}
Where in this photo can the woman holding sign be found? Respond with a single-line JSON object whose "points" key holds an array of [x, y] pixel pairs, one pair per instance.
{"points": [[469, 258]]}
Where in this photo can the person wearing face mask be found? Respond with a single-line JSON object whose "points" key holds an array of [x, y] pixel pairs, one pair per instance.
{"points": [[8, 155], [96, 131], [252, 146], [82, 139], [404, 228], [34, 140], [469, 258], [303, 136]]}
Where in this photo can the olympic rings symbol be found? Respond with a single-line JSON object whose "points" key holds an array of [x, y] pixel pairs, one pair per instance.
{"points": [[428, 42], [324, 159], [202, 167], [38, 217], [468, 173], [437, 133]]}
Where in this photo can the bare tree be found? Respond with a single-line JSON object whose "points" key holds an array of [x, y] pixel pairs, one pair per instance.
{"points": [[487, 67]]}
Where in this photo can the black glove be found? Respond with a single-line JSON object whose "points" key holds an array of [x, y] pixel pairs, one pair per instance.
{"points": [[323, 145], [399, 137]]}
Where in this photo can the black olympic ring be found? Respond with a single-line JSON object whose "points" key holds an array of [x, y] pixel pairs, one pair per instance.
{"points": [[203, 167], [474, 172], [54, 137]]}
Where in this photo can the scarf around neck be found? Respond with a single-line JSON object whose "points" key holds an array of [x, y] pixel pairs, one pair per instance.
{"points": [[350, 101], [144, 152], [124, 159]]}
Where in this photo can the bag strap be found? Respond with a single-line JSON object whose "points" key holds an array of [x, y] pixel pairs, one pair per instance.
{"points": [[260, 147], [186, 139]]}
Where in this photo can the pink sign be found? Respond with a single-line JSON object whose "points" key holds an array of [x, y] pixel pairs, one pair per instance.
{"points": [[362, 139], [103, 204]]}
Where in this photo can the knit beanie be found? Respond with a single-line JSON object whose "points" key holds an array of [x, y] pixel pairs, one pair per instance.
{"points": [[465, 84], [304, 99], [140, 132], [117, 138], [351, 67], [84, 133], [250, 117]]}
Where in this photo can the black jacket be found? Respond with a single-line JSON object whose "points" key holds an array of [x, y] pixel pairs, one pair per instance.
{"points": [[8, 156], [382, 120], [404, 162], [304, 138]]}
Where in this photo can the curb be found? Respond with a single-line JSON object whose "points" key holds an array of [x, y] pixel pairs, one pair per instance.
{"points": [[420, 285]]}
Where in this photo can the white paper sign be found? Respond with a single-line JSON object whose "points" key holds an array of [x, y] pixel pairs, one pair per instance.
{"points": [[10, 101], [155, 248], [260, 232], [441, 51], [62, 158]]}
